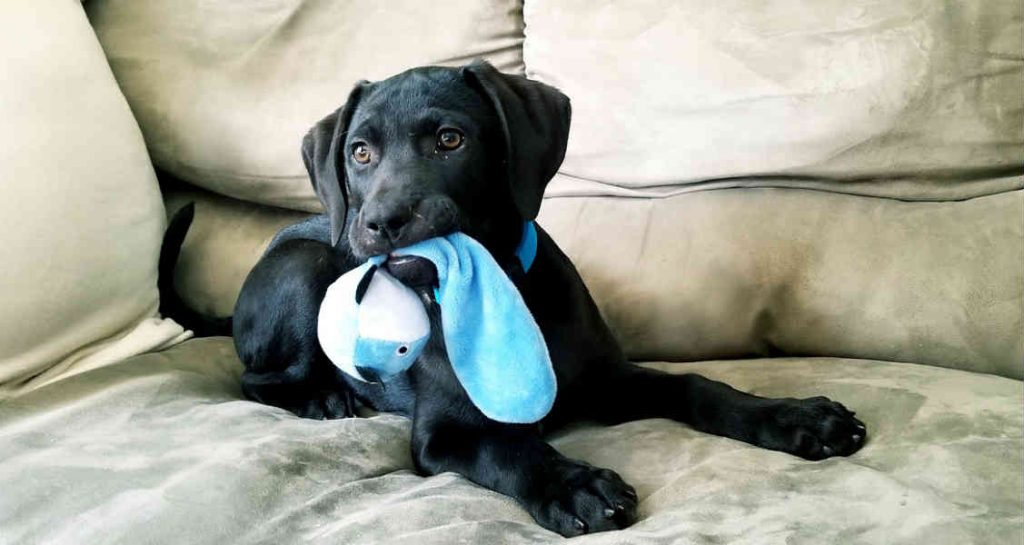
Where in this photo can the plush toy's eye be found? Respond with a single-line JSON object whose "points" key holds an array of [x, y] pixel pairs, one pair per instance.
{"points": [[403, 350], [361, 153], [449, 139]]}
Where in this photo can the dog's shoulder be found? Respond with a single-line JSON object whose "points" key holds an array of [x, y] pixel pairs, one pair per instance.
{"points": [[316, 228]]}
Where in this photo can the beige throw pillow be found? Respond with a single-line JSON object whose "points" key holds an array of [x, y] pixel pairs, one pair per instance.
{"points": [[81, 217]]}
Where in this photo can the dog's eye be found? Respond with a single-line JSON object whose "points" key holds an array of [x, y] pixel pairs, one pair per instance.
{"points": [[449, 139], [361, 153]]}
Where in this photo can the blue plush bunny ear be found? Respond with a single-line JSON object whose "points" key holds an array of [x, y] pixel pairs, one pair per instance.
{"points": [[370, 325], [495, 347]]}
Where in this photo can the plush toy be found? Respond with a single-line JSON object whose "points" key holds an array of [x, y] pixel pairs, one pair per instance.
{"points": [[372, 326]]}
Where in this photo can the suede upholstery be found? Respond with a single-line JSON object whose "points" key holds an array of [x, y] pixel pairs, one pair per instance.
{"points": [[162, 448]]}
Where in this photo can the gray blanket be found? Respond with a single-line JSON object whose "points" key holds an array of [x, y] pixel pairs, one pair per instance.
{"points": [[162, 448]]}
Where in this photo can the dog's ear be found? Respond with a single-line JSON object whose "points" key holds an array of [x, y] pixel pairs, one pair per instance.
{"points": [[535, 118], [326, 168]]}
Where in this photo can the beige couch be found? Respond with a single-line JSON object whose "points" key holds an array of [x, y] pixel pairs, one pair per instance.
{"points": [[828, 196]]}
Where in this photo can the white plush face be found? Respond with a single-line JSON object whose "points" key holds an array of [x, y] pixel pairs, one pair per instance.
{"points": [[381, 335], [388, 311]]}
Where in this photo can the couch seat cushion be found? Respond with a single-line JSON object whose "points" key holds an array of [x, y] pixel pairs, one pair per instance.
{"points": [[163, 448]]}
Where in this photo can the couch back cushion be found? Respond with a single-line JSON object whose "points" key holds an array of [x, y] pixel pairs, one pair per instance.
{"points": [[763, 272], [81, 212], [224, 90], [740, 272], [891, 132], [677, 92]]}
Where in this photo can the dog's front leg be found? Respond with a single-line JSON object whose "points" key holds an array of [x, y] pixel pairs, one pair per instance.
{"points": [[563, 495], [812, 428]]}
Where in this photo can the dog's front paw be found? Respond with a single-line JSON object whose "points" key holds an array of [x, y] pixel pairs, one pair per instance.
{"points": [[580, 499], [326, 405], [814, 428]]}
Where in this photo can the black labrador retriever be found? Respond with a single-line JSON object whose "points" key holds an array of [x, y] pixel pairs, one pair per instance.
{"points": [[428, 152]]}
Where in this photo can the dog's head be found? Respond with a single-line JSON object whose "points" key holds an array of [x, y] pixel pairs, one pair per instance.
{"points": [[434, 150]]}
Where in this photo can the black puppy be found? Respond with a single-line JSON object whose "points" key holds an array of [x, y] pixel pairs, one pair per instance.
{"points": [[431, 151]]}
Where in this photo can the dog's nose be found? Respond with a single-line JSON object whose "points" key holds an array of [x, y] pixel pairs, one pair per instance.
{"points": [[387, 223]]}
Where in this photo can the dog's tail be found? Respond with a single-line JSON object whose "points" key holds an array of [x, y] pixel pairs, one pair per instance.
{"points": [[171, 304]]}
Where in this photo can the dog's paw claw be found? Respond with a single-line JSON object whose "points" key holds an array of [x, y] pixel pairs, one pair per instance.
{"points": [[328, 405], [815, 428], [584, 499]]}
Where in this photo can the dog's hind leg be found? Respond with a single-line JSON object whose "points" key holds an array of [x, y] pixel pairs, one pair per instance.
{"points": [[275, 331], [299, 394]]}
